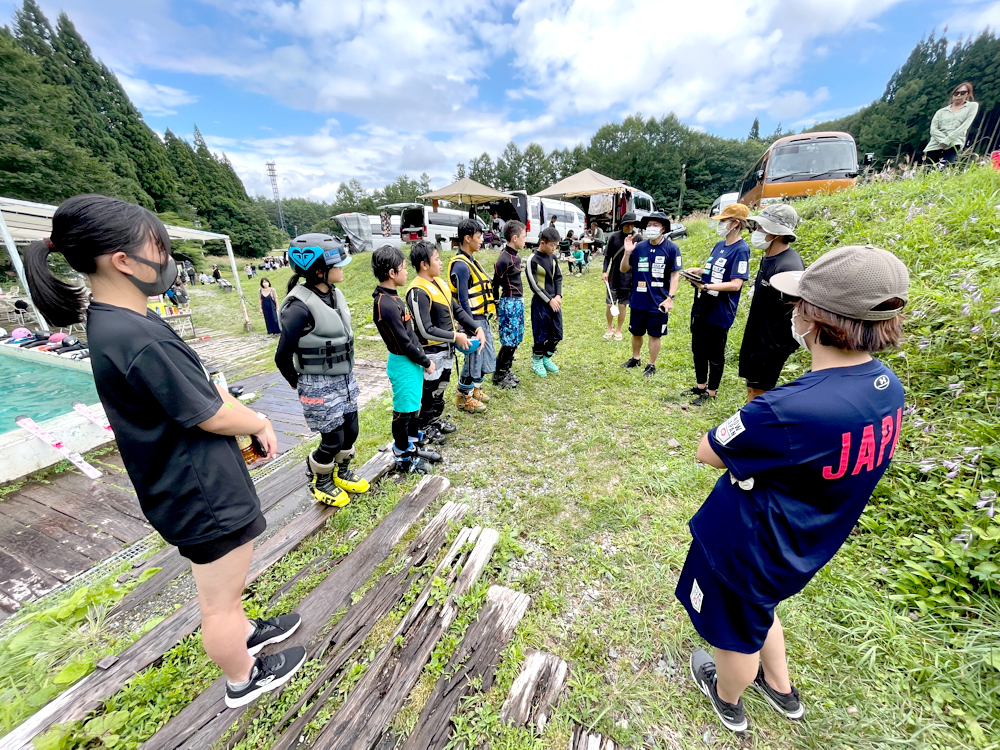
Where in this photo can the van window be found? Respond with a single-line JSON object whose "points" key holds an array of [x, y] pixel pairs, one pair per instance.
{"points": [[811, 158], [412, 217], [642, 203], [533, 211]]}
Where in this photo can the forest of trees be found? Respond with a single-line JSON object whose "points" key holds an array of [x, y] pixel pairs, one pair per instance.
{"points": [[68, 127]]}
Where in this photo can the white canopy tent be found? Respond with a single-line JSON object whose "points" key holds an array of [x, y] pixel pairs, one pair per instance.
{"points": [[23, 222]]}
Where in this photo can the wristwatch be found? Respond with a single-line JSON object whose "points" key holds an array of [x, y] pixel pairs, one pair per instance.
{"points": [[671, 296]]}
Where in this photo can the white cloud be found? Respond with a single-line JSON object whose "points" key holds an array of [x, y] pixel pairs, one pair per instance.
{"points": [[975, 17], [830, 114], [154, 98]]}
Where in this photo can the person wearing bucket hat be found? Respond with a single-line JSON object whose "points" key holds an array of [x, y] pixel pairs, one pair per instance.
{"points": [[767, 340], [801, 462], [618, 284], [717, 296], [315, 354], [657, 263]]}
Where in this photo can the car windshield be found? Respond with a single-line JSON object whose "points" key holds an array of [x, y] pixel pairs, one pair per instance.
{"points": [[811, 158]]}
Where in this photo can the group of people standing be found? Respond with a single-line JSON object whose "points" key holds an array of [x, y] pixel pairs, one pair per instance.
{"points": [[643, 273], [800, 461]]}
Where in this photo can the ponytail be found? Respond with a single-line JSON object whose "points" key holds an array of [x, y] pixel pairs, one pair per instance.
{"points": [[85, 227], [61, 304], [293, 282]]}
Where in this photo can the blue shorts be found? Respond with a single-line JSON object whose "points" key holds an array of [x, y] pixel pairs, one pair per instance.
{"points": [[407, 378], [510, 316], [720, 615], [642, 322]]}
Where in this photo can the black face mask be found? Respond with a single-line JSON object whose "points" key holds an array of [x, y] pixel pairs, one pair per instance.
{"points": [[166, 274]]}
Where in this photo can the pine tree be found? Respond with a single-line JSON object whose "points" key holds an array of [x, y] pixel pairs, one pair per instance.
{"points": [[189, 182], [754, 130]]}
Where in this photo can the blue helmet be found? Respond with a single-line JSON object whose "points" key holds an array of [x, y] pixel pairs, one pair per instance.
{"points": [[307, 250]]}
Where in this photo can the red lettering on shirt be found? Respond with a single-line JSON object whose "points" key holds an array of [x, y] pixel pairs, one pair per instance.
{"points": [[866, 455], [845, 451], [887, 434]]}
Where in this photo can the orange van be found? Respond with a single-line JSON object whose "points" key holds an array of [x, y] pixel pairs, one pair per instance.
{"points": [[800, 165]]}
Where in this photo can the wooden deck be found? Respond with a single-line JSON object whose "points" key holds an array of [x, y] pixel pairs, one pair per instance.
{"points": [[52, 531]]}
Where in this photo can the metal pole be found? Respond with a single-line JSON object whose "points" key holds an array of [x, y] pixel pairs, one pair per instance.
{"points": [[15, 258], [247, 325], [680, 200]]}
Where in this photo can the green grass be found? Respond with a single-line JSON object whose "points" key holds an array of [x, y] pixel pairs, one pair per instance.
{"points": [[577, 471]]}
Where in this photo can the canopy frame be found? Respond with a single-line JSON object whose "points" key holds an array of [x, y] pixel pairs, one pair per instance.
{"points": [[33, 221]]}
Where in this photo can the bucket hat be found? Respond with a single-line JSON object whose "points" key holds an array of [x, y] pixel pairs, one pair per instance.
{"points": [[657, 216], [779, 219]]}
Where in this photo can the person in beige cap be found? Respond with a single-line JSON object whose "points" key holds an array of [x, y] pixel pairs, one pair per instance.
{"points": [[801, 462], [713, 311], [767, 339]]}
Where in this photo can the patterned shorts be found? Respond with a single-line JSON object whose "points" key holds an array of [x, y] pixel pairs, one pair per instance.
{"points": [[326, 399], [510, 315]]}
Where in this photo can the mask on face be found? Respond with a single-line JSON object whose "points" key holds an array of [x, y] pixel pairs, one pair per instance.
{"points": [[722, 229], [800, 338], [759, 240], [166, 274], [652, 232]]}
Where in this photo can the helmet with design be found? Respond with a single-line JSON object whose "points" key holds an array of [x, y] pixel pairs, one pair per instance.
{"points": [[308, 250]]}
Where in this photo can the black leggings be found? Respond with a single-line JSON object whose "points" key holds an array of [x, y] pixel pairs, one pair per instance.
{"points": [[432, 400], [505, 359], [405, 425], [341, 439], [708, 345]]}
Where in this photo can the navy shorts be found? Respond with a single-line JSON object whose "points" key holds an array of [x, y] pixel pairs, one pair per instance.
{"points": [[720, 615], [642, 322]]}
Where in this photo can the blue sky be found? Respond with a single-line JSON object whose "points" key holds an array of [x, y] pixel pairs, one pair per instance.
{"points": [[333, 90]]}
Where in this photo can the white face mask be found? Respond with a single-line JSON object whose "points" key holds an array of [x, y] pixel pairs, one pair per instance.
{"points": [[759, 240], [800, 338], [722, 228], [652, 232]]}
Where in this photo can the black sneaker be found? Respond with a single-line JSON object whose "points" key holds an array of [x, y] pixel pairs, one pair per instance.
{"points": [[445, 425], [272, 630], [702, 399], [733, 718], [269, 673], [787, 704], [697, 391], [632, 362], [649, 372]]}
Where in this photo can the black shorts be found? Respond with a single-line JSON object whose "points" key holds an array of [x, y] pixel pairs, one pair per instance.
{"points": [[720, 615], [762, 370], [204, 553], [616, 296], [642, 322]]}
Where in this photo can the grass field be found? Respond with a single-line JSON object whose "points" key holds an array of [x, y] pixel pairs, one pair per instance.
{"points": [[590, 473]]}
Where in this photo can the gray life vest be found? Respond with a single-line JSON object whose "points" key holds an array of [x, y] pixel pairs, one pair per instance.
{"points": [[328, 349]]}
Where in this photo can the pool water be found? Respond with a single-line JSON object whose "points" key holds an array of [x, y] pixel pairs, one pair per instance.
{"points": [[40, 391]]}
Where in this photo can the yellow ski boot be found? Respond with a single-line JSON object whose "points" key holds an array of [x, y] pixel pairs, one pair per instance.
{"points": [[346, 479], [321, 484]]}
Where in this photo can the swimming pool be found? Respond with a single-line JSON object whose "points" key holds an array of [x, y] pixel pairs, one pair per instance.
{"points": [[41, 391]]}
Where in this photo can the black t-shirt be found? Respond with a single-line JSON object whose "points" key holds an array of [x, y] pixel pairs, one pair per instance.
{"points": [[193, 485], [769, 323], [612, 259]]}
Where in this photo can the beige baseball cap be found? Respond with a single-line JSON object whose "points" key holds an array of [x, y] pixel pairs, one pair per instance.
{"points": [[850, 281]]}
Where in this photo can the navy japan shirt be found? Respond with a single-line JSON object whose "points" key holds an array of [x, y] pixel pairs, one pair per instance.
{"points": [[727, 262], [802, 461], [652, 266]]}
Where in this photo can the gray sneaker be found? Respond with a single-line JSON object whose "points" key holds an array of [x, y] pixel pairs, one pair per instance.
{"points": [[787, 704], [733, 717]]}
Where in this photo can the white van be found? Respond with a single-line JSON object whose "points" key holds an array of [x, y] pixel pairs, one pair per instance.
{"points": [[420, 222], [642, 203], [376, 222]]}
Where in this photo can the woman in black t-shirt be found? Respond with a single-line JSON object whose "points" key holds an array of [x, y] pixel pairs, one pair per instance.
{"points": [[173, 426]]}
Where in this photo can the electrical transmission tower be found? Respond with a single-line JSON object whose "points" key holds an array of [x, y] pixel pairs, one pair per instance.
{"points": [[272, 172]]}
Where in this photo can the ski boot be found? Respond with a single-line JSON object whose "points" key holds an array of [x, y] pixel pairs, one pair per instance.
{"points": [[321, 485], [346, 479]]}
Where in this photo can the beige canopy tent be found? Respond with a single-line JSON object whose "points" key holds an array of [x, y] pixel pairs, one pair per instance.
{"points": [[24, 222], [468, 191], [587, 182]]}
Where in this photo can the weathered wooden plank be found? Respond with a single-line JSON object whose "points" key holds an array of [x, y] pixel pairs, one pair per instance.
{"points": [[330, 595], [88, 693], [341, 644], [534, 693], [86, 510], [20, 582], [81, 538], [476, 658], [34, 548], [583, 739], [368, 709], [74, 483]]}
